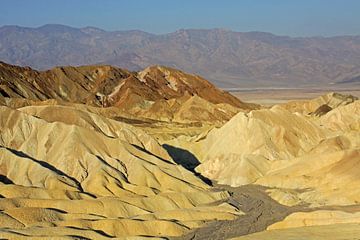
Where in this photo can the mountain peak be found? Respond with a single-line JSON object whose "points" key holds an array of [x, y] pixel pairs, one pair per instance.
{"points": [[55, 27], [92, 30]]}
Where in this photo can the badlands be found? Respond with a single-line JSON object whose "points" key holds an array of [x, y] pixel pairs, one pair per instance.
{"points": [[97, 152]]}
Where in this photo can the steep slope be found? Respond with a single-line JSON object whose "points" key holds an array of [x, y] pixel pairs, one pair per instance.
{"points": [[307, 163], [244, 149], [328, 171], [108, 127], [143, 93], [344, 118], [253, 146], [86, 172], [321, 105], [180, 82], [72, 84]]}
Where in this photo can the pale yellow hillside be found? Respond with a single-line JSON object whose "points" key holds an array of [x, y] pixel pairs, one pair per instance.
{"points": [[316, 218], [343, 118], [244, 149], [329, 172], [66, 170], [331, 100], [333, 232]]}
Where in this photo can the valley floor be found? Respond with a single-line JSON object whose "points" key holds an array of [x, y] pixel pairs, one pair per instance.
{"points": [[269, 97], [261, 211]]}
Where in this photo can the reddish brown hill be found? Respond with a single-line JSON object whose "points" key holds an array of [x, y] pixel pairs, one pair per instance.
{"points": [[107, 85], [174, 83], [72, 84]]}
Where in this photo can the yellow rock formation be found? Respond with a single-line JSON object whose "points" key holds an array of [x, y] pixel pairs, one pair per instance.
{"points": [[65, 169]]}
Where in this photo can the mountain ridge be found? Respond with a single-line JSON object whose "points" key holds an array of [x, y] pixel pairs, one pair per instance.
{"points": [[227, 58], [157, 92]]}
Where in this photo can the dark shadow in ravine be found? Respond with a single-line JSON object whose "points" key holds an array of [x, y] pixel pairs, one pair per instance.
{"points": [[4, 179], [97, 231], [186, 159], [182, 156], [147, 152]]}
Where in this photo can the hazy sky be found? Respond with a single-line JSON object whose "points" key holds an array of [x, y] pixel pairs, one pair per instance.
{"points": [[284, 17]]}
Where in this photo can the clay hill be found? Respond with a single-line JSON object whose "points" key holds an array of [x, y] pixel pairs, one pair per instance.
{"points": [[294, 145], [155, 93], [304, 155], [92, 177], [227, 58], [296, 162], [72, 167], [98, 152]]}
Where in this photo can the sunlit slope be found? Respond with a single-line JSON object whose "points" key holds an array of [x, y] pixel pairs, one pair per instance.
{"points": [[157, 92], [91, 173], [244, 149], [288, 151]]}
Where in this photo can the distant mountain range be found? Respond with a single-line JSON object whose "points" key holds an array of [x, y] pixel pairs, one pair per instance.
{"points": [[228, 59]]}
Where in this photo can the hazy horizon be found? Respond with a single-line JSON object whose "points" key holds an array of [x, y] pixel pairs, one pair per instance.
{"points": [[288, 18], [175, 30]]}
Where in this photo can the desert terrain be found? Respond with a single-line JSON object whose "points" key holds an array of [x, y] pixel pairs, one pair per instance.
{"points": [[272, 96], [97, 152]]}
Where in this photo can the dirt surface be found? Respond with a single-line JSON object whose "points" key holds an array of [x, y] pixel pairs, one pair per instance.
{"points": [[260, 211]]}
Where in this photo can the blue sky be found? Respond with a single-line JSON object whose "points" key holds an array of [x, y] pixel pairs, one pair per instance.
{"points": [[283, 17]]}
